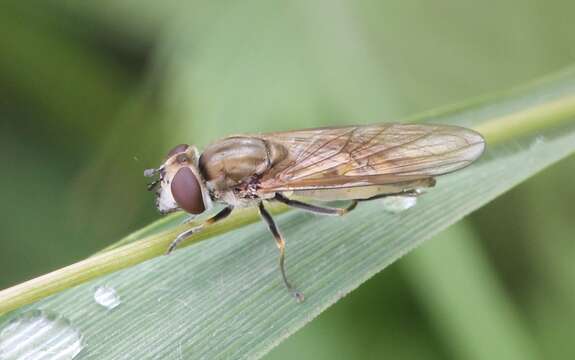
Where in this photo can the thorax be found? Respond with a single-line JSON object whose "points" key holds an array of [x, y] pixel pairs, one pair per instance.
{"points": [[233, 166]]}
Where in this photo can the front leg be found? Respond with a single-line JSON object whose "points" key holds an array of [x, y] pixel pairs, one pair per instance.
{"points": [[186, 234]]}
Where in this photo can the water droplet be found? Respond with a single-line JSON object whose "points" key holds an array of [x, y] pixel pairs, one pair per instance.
{"points": [[107, 297], [538, 141], [39, 334], [396, 204]]}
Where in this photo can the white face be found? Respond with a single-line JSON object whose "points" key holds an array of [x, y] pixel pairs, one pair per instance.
{"points": [[164, 199]]}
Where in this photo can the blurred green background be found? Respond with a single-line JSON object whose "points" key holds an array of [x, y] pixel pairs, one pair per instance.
{"points": [[93, 92]]}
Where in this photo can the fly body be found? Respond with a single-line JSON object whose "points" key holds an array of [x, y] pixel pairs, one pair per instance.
{"points": [[356, 163]]}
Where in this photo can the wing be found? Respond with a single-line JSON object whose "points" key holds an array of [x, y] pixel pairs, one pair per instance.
{"points": [[344, 157]]}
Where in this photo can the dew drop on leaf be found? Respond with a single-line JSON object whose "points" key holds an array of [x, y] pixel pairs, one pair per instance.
{"points": [[107, 296], [39, 334], [396, 204]]}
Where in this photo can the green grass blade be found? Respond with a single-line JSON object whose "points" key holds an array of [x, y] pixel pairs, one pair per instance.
{"points": [[461, 293], [223, 298]]}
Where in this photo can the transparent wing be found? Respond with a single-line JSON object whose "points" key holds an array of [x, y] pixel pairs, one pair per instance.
{"points": [[369, 155]]}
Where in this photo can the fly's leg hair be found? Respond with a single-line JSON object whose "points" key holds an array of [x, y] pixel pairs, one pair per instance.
{"points": [[281, 246], [186, 234], [324, 210]]}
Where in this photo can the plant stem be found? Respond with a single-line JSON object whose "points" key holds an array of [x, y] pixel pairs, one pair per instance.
{"points": [[529, 120], [117, 258]]}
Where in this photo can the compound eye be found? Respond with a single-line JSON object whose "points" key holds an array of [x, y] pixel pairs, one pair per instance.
{"points": [[187, 192], [177, 149]]}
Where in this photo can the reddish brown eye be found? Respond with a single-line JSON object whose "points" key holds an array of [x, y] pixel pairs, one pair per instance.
{"points": [[187, 191], [177, 149]]}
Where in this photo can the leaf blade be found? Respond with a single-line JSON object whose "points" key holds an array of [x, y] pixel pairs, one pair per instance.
{"points": [[227, 290]]}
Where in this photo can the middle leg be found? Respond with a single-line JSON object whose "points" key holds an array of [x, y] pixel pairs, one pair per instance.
{"points": [[280, 242]]}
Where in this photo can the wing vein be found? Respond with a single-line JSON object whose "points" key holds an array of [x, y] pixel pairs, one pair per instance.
{"points": [[320, 147], [370, 155]]}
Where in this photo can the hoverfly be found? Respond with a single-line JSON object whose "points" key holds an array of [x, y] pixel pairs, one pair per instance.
{"points": [[355, 163]]}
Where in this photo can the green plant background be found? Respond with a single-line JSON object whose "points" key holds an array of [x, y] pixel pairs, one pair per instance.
{"points": [[92, 92]]}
